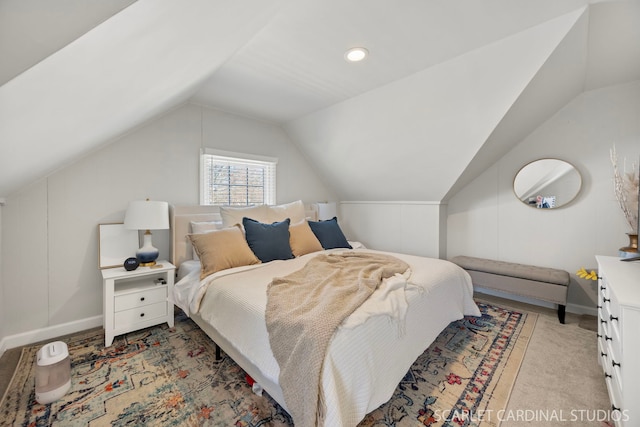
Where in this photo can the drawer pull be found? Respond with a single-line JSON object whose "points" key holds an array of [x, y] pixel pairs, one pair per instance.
{"points": [[602, 288], [608, 338], [603, 354], [599, 336], [141, 314], [141, 298], [604, 322], [614, 408], [614, 363], [607, 376], [606, 299], [598, 306], [612, 317]]}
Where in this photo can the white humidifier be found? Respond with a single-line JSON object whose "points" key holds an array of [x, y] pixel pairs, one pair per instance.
{"points": [[53, 372]]}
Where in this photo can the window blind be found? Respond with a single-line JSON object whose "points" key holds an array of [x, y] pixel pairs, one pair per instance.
{"points": [[239, 180]]}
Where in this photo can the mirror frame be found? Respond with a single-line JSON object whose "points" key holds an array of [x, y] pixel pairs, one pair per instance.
{"points": [[540, 198]]}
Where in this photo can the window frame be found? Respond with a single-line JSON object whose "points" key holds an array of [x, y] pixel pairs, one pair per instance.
{"points": [[248, 159]]}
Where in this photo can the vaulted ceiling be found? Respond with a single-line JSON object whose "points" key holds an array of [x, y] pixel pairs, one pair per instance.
{"points": [[448, 88]]}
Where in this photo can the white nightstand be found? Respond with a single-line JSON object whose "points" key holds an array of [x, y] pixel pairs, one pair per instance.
{"points": [[136, 299]]}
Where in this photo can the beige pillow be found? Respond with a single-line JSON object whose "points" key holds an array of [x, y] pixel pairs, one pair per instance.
{"points": [[199, 227], [302, 240], [232, 216], [294, 211], [222, 249]]}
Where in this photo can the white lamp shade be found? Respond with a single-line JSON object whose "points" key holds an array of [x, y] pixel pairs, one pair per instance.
{"points": [[147, 215]]}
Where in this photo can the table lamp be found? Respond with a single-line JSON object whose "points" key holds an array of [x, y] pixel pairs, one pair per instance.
{"points": [[147, 215]]}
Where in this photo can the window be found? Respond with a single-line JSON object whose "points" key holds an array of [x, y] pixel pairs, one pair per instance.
{"points": [[234, 179]]}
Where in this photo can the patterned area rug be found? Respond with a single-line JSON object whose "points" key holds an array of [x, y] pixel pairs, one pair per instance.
{"points": [[169, 376]]}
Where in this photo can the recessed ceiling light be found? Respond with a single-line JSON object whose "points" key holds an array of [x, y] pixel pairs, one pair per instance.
{"points": [[356, 54]]}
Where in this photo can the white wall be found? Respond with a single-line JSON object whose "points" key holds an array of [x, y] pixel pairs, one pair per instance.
{"points": [[25, 259], [49, 266], [406, 227], [2, 312], [486, 220]]}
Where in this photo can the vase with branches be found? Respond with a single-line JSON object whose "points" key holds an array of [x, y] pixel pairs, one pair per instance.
{"points": [[625, 186]]}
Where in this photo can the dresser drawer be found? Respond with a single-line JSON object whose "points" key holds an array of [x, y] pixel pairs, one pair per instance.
{"points": [[603, 322], [126, 318], [611, 341], [603, 356], [604, 290], [140, 298], [614, 393]]}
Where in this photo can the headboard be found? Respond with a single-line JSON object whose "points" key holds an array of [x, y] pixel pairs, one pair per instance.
{"points": [[180, 218]]}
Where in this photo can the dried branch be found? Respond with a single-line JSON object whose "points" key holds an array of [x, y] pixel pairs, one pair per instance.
{"points": [[625, 187]]}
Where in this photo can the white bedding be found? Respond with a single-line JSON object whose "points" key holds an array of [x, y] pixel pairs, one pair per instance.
{"points": [[369, 353]]}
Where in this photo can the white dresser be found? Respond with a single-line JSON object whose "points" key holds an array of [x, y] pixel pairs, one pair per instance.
{"points": [[619, 336]]}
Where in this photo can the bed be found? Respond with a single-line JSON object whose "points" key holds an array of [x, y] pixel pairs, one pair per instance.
{"points": [[369, 353]]}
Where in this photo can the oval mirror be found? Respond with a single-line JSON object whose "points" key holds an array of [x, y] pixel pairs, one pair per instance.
{"points": [[547, 183]]}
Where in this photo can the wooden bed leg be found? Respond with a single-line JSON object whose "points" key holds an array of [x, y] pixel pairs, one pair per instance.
{"points": [[219, 356], [561, 310]]}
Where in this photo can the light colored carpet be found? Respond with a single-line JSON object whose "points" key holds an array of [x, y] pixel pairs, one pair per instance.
{"points": [[560, 383]]}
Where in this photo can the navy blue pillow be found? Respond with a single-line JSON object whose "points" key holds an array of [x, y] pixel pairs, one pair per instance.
{"points": [[268, 241], [329, 234]]}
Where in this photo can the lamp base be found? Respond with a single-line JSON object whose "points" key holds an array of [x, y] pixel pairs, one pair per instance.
{"points": [[147, 254], [147, 264]]}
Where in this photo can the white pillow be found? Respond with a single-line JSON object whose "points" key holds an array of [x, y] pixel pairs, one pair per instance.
{"points": [[199, 227], [232, 216], [294, 211]]}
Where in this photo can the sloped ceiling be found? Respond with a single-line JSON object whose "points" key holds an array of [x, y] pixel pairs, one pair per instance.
{"points": [[448, 88], [613, 43], [295, 66], [558, 81], [27, 35], [423, 130], [146, 59]]}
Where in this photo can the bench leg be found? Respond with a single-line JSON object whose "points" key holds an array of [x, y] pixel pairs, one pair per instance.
{"points": [[561, 310]]}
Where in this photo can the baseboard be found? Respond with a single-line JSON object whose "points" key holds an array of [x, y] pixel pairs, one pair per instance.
{"points": [[42, 334], [582, 309], [571, 308]]}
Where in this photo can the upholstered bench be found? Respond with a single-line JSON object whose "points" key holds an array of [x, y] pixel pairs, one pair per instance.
{"points": [[547, 284]]}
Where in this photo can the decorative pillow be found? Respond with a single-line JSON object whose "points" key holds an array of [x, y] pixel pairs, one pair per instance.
{"points": [[199, 227], [302, 239], [268, 241], [232, 216], [294, 211], [222, 249], [329, 234]]}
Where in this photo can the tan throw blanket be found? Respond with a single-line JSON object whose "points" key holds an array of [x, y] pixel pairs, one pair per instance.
{"points": [[303, 311]]}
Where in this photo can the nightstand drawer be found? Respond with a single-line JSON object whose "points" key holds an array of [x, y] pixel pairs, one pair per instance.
{"points": [[140, 299], [124, 319]]}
